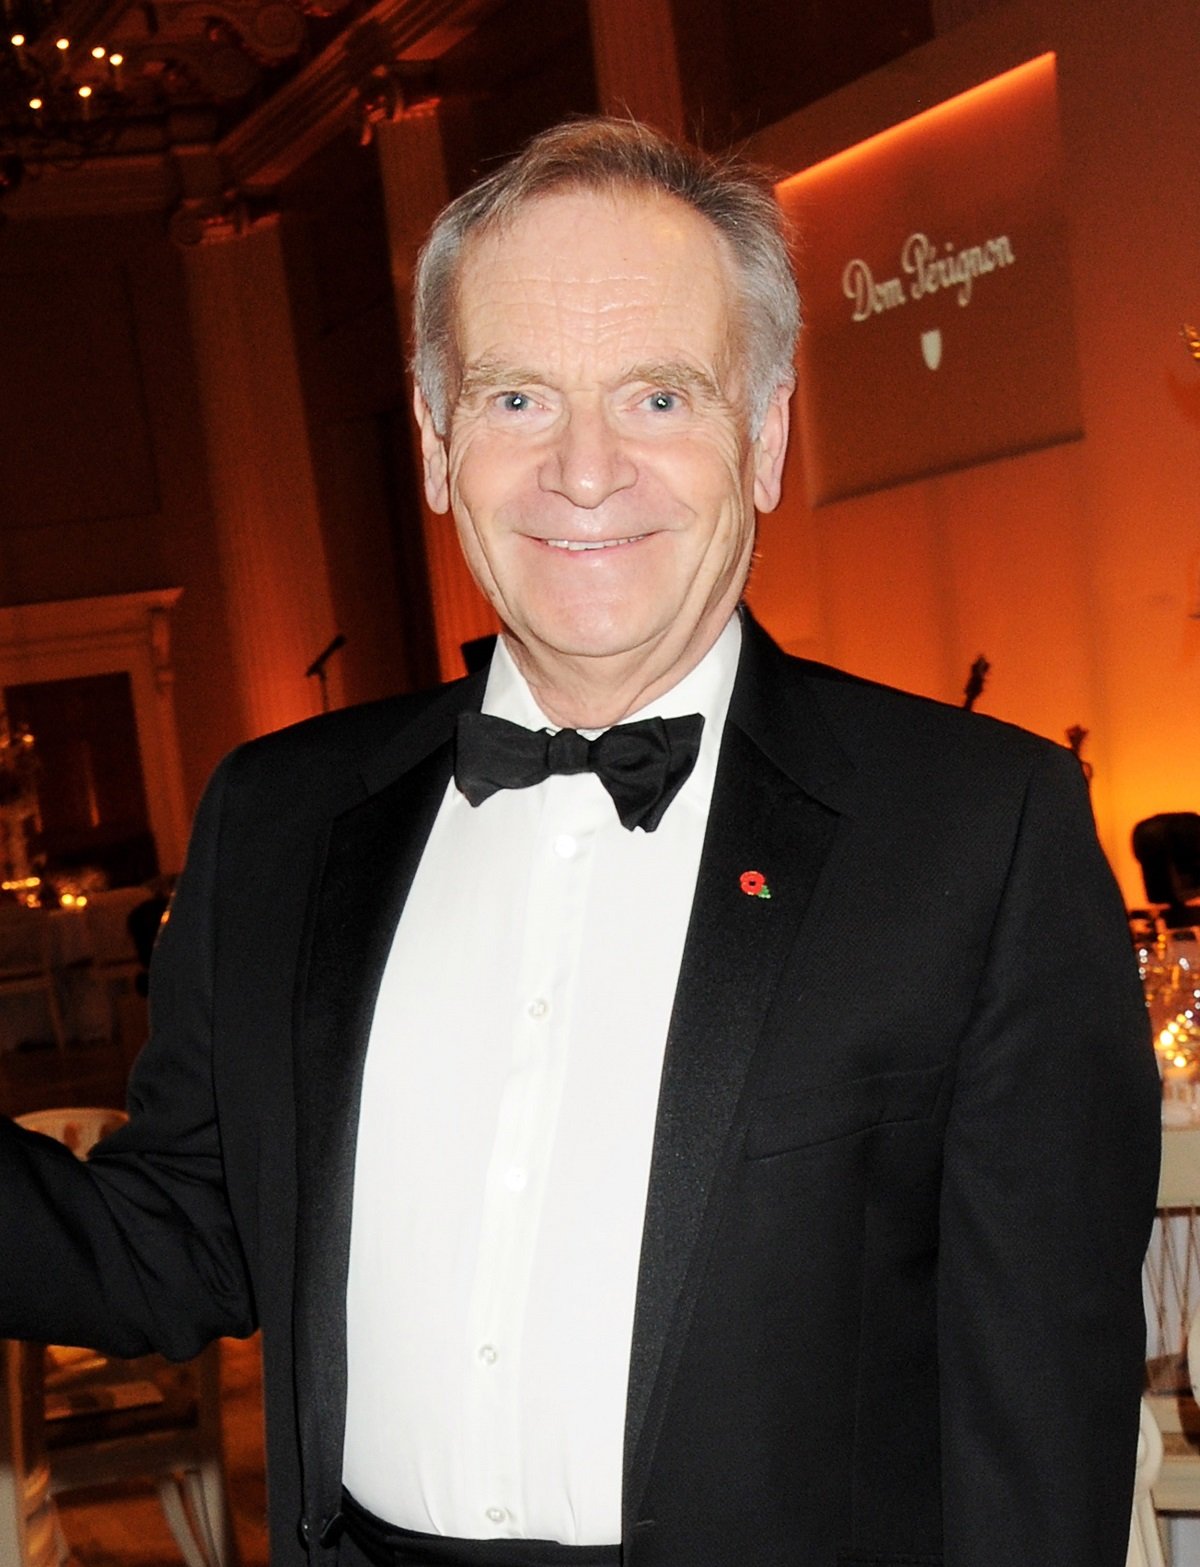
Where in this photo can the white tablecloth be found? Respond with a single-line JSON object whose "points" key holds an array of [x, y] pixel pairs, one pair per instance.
{"points": [[25, 1019]]}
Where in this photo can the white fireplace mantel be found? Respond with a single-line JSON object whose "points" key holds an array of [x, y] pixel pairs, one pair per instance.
{"points": [[128, 632]]}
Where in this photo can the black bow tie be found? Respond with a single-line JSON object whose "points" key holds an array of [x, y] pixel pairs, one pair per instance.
{"points": [[643, 765]]}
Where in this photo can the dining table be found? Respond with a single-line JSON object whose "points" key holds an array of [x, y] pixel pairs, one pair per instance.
{"points": [[72, 952]]}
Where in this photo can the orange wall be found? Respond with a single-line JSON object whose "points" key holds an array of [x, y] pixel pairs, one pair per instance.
{"points": [[1075, 569]]}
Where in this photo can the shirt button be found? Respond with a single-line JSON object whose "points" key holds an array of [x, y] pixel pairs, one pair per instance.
{"points": [[515, 1179], [488, 1354], [496, 1514], [538, 1007], [565, 846]]}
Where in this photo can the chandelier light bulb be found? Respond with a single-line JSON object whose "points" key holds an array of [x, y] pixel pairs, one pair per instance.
{"points": [[99, 52], [116, 59], [18, 40], [85, 92], [35, 104], [63, 44]]}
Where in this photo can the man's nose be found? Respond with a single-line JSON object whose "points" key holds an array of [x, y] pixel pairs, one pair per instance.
{"points": [[587, 461]]}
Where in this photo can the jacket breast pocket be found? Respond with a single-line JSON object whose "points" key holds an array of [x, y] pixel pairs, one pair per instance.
{"points": [[827, 1111]]}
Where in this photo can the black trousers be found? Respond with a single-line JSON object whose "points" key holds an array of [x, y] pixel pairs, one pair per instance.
{"points": [[386, 1545]]}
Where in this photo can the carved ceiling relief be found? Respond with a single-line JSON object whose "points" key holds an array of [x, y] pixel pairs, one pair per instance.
{"points": [[202, 83]]}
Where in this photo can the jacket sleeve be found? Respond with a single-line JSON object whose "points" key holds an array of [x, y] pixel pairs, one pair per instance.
{"points": [[1050, 1173], [135, 1249]]}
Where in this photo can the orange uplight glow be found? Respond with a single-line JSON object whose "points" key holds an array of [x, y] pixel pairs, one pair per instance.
{"points": [[972, 102]]}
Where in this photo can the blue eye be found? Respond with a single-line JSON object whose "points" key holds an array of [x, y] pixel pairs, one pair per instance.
{"points": [[662, 402], [514, 402]]}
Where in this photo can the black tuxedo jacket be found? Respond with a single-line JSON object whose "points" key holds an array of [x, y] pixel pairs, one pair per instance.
{"points": [[889, 1307]]}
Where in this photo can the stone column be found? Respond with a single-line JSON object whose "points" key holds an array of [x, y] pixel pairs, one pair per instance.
{"points": [[412, 166], [261, 476], [637, 62]]}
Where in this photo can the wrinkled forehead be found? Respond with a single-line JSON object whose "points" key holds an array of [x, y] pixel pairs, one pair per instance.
{"points": [[602, 252]]}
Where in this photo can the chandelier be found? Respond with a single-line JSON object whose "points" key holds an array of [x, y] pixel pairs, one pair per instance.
{"points": [[57, 100], [82, 77]]}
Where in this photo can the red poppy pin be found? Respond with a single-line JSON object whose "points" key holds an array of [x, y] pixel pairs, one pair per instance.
{"points": [[754, 884]]}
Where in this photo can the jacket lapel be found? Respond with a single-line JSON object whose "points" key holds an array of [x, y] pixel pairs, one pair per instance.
{"points": [[775, 810], [371, 856]]}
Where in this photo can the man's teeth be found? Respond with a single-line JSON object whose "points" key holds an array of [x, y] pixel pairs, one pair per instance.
{"points": [[592, 544]]}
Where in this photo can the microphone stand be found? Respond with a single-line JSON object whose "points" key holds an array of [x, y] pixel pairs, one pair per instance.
{"points": [[317, 668]]}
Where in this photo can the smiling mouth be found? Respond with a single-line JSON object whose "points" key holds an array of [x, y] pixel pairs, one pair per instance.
{"points": [[593, 544]]}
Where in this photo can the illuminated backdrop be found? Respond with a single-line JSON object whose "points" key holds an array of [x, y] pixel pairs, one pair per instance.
{"points": [[933, 266]]}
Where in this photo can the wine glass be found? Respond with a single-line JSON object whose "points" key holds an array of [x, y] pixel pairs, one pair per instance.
{"points": [[1170, 969]]}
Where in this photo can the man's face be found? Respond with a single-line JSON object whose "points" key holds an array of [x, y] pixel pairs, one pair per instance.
{"points": [[598, 461]]}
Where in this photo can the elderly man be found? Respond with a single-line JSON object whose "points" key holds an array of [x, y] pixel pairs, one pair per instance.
{"points": [[664, 1102]]}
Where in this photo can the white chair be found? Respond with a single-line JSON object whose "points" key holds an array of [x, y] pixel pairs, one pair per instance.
{"points": [[29, 1532], [97, 1421], [25, 965], [1172, 1286], [115, 964], [1145, 1542]]}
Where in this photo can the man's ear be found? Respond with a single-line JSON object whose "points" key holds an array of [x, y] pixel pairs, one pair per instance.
{"points": [[770, 449], [433, 456]]}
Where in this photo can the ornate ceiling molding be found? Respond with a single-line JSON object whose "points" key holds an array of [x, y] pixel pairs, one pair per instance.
{"points": [[327, 96], [183, 67]]}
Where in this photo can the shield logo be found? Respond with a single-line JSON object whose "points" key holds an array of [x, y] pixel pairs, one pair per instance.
{"points": [[931, 348]]}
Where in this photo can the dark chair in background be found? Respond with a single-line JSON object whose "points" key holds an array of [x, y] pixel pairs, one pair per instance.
{"points": [[1167, 848], [143, 924]]}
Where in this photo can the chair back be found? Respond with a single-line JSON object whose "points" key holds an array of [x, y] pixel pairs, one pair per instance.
{"points": [[1167, 847], [1171, 1276], [29, 1531], [1179, 1172], [1145, 1542], [24, 942], [108, 924], [1171, 1281]]}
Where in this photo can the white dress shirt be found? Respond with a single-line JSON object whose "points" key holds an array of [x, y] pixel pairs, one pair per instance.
{"points": [[508, 1109]]}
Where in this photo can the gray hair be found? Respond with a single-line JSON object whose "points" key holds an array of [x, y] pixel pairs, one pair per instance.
{"points": [[618, 155]]}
